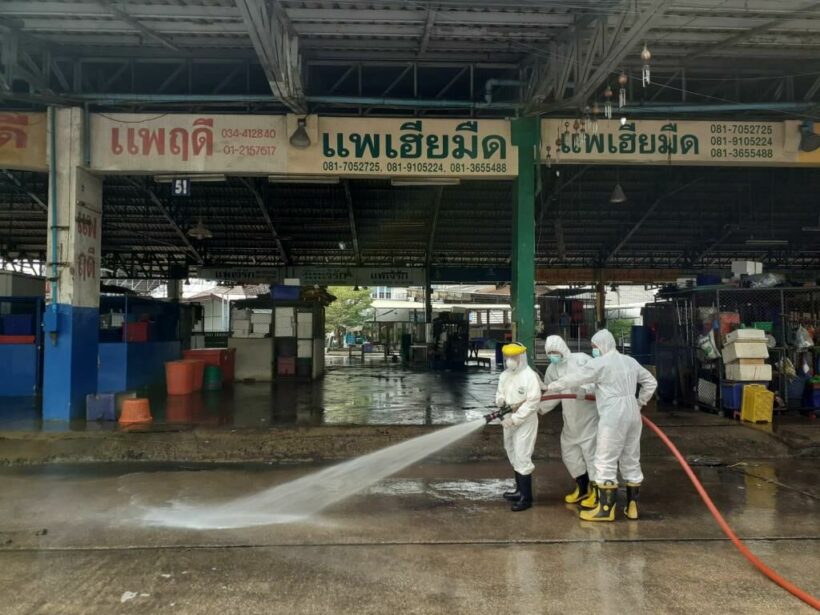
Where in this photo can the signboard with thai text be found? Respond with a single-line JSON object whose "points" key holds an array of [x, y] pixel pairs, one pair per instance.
{"points": [[677, 142], [406, 147], [208, 143], [23, 141]]}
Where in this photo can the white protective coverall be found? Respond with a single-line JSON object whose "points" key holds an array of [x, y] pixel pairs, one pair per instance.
{"points": [[520, 385], [580, 416], [616, 378]]}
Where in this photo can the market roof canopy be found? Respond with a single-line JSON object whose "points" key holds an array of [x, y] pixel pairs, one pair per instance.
{"points": [[457, 55]]}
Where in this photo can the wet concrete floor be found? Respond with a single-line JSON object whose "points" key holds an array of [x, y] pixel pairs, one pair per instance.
{"points": [[373, 393], [435, 538]]}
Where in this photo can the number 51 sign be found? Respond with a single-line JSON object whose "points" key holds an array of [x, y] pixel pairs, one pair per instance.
{"points": [[181, 187]]}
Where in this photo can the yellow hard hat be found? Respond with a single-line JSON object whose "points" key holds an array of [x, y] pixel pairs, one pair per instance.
{"points": [[511, 350]]}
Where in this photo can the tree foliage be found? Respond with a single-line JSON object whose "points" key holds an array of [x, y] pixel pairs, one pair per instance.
{"points": [[351, 308]]}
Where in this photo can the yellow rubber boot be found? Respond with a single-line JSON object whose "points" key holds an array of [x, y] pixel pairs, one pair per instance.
{"points": [[605, 510], [591, 499], [633, 491], [581, 490]]}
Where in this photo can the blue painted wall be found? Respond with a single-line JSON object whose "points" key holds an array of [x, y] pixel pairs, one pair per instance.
{"points": [[18, 366], [70, 371], [138, 365]]}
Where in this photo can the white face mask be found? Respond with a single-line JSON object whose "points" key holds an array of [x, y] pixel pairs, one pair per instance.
{"points": [[511, 363]]}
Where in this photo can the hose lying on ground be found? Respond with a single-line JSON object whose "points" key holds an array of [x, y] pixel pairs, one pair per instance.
{"points": [[737, 542]]}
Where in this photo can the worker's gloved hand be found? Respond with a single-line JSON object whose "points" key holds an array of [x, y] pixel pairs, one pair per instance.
{"points": [[500, 402], [555, 387], [507, 421]]}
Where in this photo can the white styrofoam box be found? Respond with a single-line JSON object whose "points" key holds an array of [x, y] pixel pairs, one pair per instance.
{"points": [[746, 268], [291, 282], [745, 350], [238, 314], [117, 318], [304, 349], [304, 326], [747, 373], [261, 319], [257, 334], [284, 325], [745, 335]]}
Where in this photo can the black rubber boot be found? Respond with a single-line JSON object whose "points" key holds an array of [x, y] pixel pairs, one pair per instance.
{"points": [[581, 490], [633, 493], [514, 496], [525, 484]]}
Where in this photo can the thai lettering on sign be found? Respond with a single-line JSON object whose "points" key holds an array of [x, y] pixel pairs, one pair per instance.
{"points": [[676, 142], [402, 147], [23, 141], [188, 143]]}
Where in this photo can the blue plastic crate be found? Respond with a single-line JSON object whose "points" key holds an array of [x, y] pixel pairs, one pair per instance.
{"points": [[101, 407], [281, 292], [731, 395], [18, 324]]}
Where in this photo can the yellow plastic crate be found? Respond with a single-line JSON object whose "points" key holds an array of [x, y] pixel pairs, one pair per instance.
{"points": [[757, 405]]}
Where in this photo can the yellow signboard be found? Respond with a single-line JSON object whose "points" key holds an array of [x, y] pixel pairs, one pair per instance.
{"points": [[344, 147], [406, 147], [207, 143], [676, 142], [23, 141]]}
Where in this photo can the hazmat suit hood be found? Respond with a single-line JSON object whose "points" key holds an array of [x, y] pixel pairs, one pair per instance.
{"points": [[555, 343], [604, 341]]}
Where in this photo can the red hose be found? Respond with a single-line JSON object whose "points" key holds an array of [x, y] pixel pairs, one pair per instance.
{"points": [[739, 544], [753, 559]]}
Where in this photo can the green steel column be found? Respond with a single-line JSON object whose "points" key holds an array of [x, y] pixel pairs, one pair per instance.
{"points": [[525, 135]]}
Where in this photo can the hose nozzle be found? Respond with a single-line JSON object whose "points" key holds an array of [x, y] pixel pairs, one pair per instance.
{"points": [[497, 414]]}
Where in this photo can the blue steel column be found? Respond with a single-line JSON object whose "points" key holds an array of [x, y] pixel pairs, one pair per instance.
{"points": [[71, 320], [525, 135]]}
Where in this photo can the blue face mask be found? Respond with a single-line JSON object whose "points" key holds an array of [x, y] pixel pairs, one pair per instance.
{"points": [[554, 358], [596, 353]]}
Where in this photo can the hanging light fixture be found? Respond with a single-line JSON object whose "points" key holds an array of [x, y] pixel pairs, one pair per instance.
{"points": [[608, 102], [617, 195], [200, 232], [645, 56], [300, 137], [622, 81]]}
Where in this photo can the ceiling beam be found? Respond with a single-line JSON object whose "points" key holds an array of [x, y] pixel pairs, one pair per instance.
{"points": [[620, 47], [167, 215], [10, 178], [428, 30], [260, 202], [751, 32], [352, 218], [649, 211], [122, 15], [277, 49]]}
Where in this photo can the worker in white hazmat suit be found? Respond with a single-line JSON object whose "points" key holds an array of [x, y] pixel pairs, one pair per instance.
{"points": [[580, 418], [616, 378], [520, 388]]}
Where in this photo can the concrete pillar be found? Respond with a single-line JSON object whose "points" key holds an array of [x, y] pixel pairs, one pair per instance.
{"points": [[174, 290], [71, 320], [600, 304], [525, 134], [428, 305]]}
